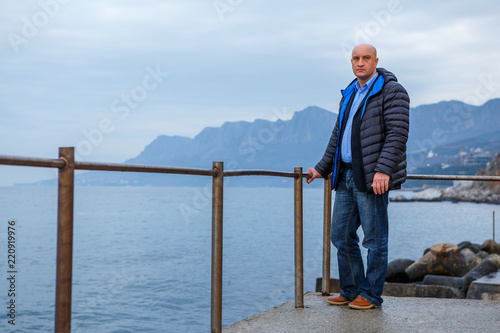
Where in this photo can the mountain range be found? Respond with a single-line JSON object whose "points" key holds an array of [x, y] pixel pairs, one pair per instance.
{"points": [[449, 129], [438, 134]]}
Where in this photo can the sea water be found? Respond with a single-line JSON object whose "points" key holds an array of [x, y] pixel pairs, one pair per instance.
{"points": [[142, 255]]}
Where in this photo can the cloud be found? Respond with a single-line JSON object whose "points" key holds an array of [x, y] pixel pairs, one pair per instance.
{"points": [[256, 56]]}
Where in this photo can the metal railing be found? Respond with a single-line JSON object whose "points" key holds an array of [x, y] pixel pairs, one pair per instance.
{"points": [[67, 166]]}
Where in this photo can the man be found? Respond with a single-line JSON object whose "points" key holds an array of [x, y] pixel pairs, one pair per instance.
{"points": [[367, 155]]}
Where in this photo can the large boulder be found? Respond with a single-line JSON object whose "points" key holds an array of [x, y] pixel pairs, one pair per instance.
{"points": [[471, 257], [442, 259], [491, 246], [396, 270], [489, 265], [472, 246]]}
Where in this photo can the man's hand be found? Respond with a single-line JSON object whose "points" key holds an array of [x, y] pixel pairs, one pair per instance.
{"points": [[314, 174], [380, 183]]}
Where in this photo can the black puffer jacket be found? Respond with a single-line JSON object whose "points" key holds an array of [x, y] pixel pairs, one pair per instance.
{"points": [[379, 134]]}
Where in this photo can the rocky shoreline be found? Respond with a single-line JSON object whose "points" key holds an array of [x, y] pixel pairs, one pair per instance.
{"points": [[479, 192], [453, 194], [446, 271]]}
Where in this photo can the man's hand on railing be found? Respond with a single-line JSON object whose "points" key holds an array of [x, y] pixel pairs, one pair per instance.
{"points": [[314, 174]]}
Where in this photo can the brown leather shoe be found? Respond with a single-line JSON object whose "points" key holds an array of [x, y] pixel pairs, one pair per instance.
{"points": [[339, 300], [361, 303]]}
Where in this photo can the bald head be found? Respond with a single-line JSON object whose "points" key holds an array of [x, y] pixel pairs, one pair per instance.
{"points": [[364, 62], [365, 48]]}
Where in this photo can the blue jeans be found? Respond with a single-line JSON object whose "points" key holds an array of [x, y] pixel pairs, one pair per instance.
{"points": [[368, 210]]}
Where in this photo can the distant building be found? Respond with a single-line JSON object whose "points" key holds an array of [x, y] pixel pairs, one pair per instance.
{"points": [[477, 158]]}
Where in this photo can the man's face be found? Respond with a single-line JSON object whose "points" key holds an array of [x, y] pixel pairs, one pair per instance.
{"points": [[364, 63]]}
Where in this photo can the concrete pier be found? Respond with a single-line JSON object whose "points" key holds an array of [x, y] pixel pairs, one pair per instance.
{"points": [[486, 288], [398, 314]]}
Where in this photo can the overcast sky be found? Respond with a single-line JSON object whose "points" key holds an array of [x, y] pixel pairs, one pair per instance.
{"points": [[108, 77]]}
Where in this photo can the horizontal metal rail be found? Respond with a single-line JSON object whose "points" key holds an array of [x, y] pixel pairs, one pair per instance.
{"points": [[143, 168], [271, 173], [33, 162], [455, 177]]}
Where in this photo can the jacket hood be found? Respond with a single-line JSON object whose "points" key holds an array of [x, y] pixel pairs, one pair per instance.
{"points": [[388, 76]]}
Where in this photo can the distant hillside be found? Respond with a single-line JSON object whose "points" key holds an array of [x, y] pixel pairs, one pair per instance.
{"points": [[448, 128], [261, 144], [478, 191], [439, 133]]}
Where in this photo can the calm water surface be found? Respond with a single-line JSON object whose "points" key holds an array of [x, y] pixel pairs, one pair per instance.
{"points": [[142, 254]]}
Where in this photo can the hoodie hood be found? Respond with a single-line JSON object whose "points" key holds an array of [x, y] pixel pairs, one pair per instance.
{"points": [[388, 76]]}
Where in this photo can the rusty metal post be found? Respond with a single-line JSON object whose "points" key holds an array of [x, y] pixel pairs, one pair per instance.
{"points": [[217, 205], [327, 223], [65, 241], [299, 248]]}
